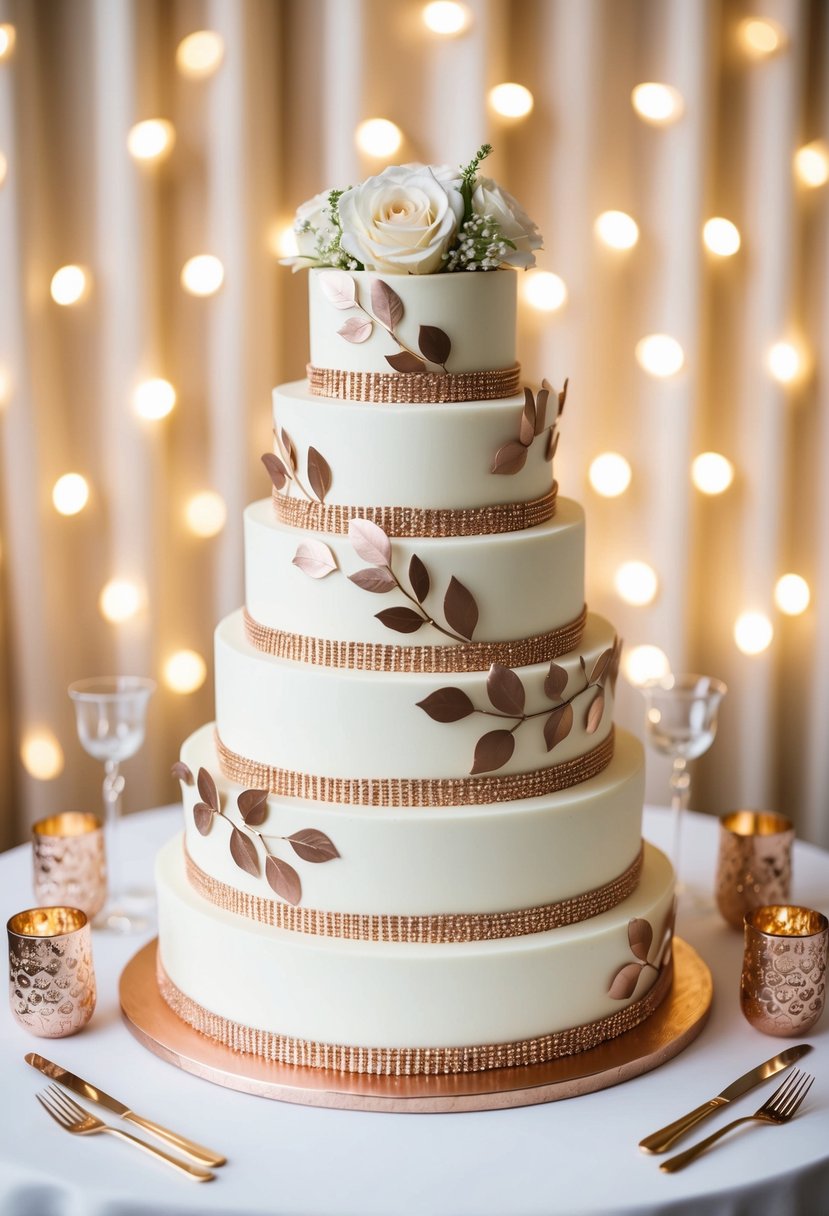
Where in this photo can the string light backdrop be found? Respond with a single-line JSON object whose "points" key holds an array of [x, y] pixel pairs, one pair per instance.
{"points": [[675, 157]]}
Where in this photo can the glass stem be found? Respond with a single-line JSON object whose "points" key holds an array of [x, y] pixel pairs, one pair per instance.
{"points": [[680, 784], [113, 785]]}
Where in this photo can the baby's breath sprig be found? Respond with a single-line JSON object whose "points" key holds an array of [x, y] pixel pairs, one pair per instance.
{"points": [[481, 246], [468, 174]]}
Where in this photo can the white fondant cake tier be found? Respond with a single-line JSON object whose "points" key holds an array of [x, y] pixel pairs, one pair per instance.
{"points": [[476, 311], [424, 456], [386, 994], [435, 861], [524, 583], [368, 724]]}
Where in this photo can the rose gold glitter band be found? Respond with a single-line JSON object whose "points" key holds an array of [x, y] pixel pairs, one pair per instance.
{"points": [[417, 521], [411, 1061], [433, 930], [413, 388], [379, 656], [414, 791]]}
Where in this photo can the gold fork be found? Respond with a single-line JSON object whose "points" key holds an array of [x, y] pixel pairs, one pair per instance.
{"points": [[779, 1108], [74, 1118]]}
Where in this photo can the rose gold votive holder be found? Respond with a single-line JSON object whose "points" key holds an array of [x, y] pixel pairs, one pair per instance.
{"points": [[69, 861], [754, 863], [51, 978], [783, 984]]}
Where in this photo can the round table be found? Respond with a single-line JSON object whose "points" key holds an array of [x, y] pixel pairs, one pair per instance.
{"points": [[577, 1156]]}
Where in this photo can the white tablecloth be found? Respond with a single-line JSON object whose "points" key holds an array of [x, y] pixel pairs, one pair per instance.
{"points": [[576, 1157]]}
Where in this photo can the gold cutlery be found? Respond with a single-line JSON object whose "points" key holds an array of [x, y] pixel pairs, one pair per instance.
{"points": [[84, 1089], [779, 1108], [68, 1114], [662, 1140]]}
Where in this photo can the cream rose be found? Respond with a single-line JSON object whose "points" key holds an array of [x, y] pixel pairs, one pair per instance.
{"points": [[314, 232], [402, 221], [493, 202]]}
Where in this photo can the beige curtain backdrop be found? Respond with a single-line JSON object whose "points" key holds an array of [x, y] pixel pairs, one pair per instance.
{"points": [[274, 125]]}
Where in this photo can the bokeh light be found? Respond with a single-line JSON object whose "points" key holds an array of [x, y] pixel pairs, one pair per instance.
{"points": [[378, 137], [511, 100], [200, 54], [721, 237], [543, 290], [785, 362], [446, 17], [609, 474], [643, 663], [811, 164], [120, 600], [206, 513], [753, 632], [69, 285], [202, 275], [760, 37], [656, 103], [660, 355], [636, 583], [8, 37], [153, 399], [185, 671], [791, 594], [151, 139], [712, 473], [616, 229], [42, 755], [70, 494]]}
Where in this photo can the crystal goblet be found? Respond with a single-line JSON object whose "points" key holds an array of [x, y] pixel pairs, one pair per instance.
{"points": [[110, 714]]}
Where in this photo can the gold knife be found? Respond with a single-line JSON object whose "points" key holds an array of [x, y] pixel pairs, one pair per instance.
{"points": [[195, 1151], [666, 1136]]}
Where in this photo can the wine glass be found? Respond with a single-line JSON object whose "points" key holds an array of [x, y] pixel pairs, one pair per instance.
{"points": [[110, 713], [681, 722]]}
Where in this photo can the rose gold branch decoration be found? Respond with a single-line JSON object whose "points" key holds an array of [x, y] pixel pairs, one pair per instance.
{"points": [[640, 939], [512, 456]]}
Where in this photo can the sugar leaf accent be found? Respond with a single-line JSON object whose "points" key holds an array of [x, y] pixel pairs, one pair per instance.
{"points": [[283, 879], [401, 619], [526, 430], [505, 690], [276, 470], [207, 789], [541, 409], [447, 705], [319, 473], [625, 981], [492, 751], [510, 458], [460, 609], [387, 305], [601, 667], [555, 681], [640, 936], [435, 345], [356, 329], [419, 578], [370, 542], [558, 725], [243, 852], [181, 772], [338, 288], [378, 579], [314, 559], [312, 845], [406, 362], [253, 806], [594, 713], [552, 444], [288, 448], [203, 817]]}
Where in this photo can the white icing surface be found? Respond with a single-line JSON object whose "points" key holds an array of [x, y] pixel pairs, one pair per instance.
{"points": [[524, 582], [344, 723]]}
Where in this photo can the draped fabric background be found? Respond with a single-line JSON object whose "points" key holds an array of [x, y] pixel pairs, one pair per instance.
{"points": [[272, 126]]}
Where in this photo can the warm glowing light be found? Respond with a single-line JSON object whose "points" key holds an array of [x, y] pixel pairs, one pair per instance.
{"points": [[636, 583], [120, 600], [753, 632], [791, 594], [784, 361], [70, 494], [185, 671], [5, 387], [609, 474], [712, 473], [721, 237], [283, 241], [642, 663], [8, 37], [511, 100], [659, 104], [68, 285], [153, 399], [660, 355], [206, 513], [447, 18], [152, 139], [202, 275], [543, 290], [200, 54], [617, 229], [378, 137], [4, 166], [760, 37], [811, 163], [42, 755]]}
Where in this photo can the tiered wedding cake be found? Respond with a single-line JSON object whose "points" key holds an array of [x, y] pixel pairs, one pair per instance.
{"points": [[413, 838]]}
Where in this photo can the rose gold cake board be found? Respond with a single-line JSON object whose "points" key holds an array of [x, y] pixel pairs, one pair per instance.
{"points": [[675, 1024]]}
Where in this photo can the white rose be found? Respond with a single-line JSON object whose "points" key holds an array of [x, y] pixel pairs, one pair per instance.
{"points": [[493, 202], [402, 221], [313, 230]]}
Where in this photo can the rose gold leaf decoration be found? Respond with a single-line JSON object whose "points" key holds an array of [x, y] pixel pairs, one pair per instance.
{"points": [[541, 409], [276, 470], [356, 329], [558, 725], [243, 852], [419, 578], [562, 397], [624, 982], [288, 448], [253, 805], [601, 667], [406, 362], [460, 609], [526, 431], [374, 578], [387, 305], [283, 879], [640, 936], [555, 682], [447, 705], [319, 473], [435, 345], [493, 751], [314, 559], [613, 673], [203, 817], [338, 288], [401, 620], [181, 772], [510, 458], [312, 845], [370, 542], [583, 666], [552, 444], [207, 789], [505, 690], [594, 713]]}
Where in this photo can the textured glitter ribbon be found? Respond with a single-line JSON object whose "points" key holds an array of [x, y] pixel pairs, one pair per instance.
{"points": [[417, 521], [433, 930], [413, 388], [380, 656], [410, 1061], [414, 791]]}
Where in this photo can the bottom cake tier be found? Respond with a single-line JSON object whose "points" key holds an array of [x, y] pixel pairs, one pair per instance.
{"points": [[410, 1008]]}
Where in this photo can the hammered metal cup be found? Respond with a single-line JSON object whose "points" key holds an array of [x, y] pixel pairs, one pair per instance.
{"points": [[69, 861], [783, 983], [754, 863], [51, 977]]}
